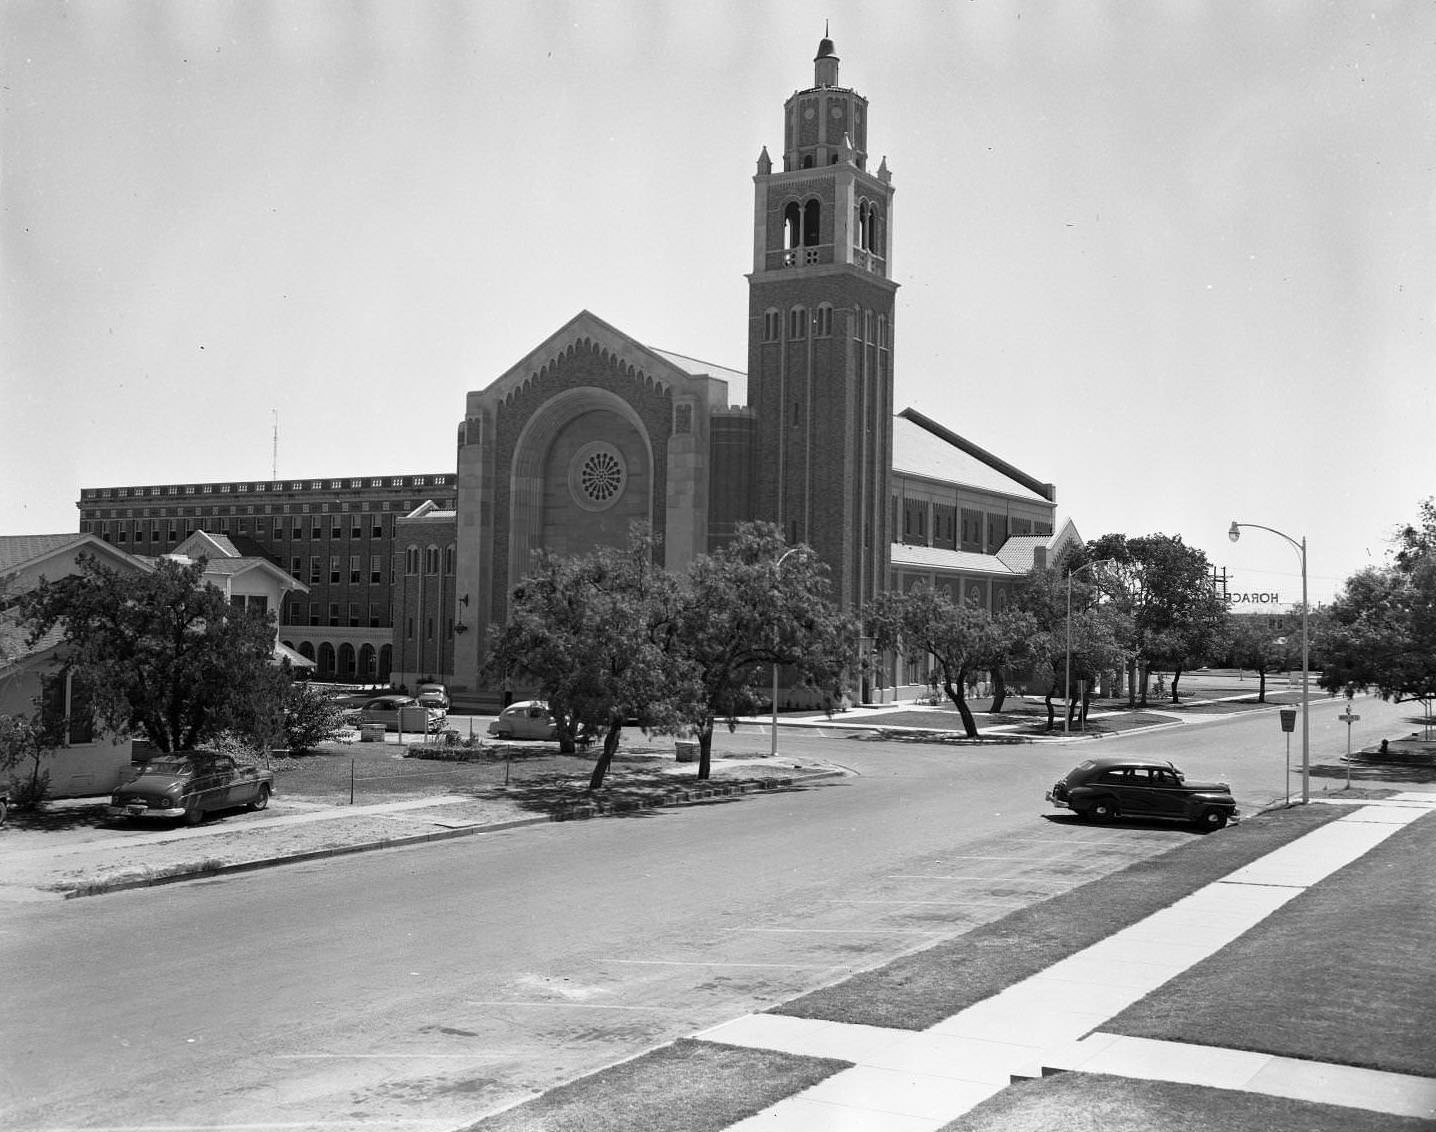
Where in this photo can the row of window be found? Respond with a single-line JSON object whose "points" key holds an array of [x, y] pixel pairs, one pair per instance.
{"points": [[336, 569], [298, 611], [358, 514], [922, 522], [441, 480], [431, 556], [803, 225], [820, 321]]}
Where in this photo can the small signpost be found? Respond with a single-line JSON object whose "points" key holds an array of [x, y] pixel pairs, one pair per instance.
{"points": [[1348, 717], [1288, 725]]}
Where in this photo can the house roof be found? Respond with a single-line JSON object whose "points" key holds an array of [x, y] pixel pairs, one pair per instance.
{"points": [[923, 447], [17, 550]]}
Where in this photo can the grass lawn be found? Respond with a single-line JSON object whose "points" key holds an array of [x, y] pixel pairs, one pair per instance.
{"points": [[1340, 974], [1094, 1102], [919, 990], [535, 774], [688, 1086]]}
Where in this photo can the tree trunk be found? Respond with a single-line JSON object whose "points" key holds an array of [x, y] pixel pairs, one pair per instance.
{"points": [[1086, 704], [1143, 676], [1132, 682], [956, 693], [1069, 704], [1176, 675], [999, 689], [705, 749], [1261, 689], [1051, 711], [610, 745]]}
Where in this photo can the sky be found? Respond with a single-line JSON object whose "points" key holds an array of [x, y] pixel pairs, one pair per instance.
{"points": [[1177, 257]]}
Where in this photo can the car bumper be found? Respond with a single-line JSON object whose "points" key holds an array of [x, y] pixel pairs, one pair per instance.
{"points": [[144, 812], [1058, 802]]}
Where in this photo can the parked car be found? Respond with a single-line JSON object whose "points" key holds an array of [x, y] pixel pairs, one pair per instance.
{"points": [[190, 785], [1107, 789], [385, 710], [433, 695], [527, 719]]}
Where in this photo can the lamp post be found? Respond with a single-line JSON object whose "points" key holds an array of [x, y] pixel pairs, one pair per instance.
{"points": [[1067, 675], [777, 567], [1234, 533]]}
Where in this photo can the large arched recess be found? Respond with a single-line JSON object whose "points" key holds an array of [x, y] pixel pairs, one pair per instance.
{"points": [[573, 418]]}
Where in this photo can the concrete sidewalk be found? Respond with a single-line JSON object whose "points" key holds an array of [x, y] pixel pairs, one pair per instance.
{"points": [[918, 1081]]}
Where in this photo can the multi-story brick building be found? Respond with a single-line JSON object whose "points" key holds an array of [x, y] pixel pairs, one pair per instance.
{"points": [[336, 535]]}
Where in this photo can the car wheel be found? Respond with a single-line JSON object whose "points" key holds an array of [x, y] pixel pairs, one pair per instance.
{"points": [[1212, 819], [261, 800], [193, 815], [1104, 809]]}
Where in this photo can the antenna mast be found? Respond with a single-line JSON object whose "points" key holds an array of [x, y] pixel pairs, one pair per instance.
{"points": [[274, 458]]}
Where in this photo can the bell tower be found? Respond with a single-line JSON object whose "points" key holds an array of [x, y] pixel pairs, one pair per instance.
{"points": [[820, 335]]}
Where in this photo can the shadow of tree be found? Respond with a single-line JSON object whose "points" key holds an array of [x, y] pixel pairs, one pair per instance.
{"points": [[632, 793], [1378, 772], [66, 817]]}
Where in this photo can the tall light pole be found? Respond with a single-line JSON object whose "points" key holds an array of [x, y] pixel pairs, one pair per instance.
{"points": [[1067, 676], [777, 567], [1234, 533]]}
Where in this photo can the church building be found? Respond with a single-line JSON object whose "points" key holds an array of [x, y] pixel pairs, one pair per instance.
{"points": [[593, 429]]}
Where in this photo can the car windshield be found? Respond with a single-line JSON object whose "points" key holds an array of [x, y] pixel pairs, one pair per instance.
{"points": [[168, 766]]}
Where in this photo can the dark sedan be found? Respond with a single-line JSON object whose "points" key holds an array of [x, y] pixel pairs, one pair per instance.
{"points": [[191, 785], [1107, 789]]}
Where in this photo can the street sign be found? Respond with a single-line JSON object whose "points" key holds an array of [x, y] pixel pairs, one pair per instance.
{"points": [[1288, 719], [1348, 718]]}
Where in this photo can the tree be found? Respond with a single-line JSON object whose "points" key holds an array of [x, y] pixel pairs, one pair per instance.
{"points": [[1380, 632], [1097, 630], [594, 632], [1251, 644], [962, 638], [1165, 587], [162, 652], [739, 613]]}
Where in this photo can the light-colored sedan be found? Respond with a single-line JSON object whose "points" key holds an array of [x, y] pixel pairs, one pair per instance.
{"points": [[527, 719], [385, 711]]}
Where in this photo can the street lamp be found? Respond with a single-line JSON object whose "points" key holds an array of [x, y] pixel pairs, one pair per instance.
{"points": [[777, 566], [1234, 533], [1067, 677]]}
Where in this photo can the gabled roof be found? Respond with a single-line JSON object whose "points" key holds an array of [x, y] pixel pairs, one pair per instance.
{"points": [[206, 544], [1020, 551], [587, 331], [19, 552], [922, 447]]}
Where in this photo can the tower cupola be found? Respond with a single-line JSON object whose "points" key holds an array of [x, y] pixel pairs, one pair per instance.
{"points": [[816, 120]]}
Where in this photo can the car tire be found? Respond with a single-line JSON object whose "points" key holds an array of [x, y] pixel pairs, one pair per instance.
{"points": [[1212, 819], [1104, 809], [261, 800]]}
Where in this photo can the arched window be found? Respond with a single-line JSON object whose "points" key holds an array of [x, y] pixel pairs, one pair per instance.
{"points": [[411, 559], [368, 661], [823, 321], [326, 659], [812, 223], [431, 560], [798, 323], [306, 650], [449, 559], [792, 223], [346, 659]]}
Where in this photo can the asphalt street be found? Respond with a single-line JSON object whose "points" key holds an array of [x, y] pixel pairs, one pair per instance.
{"points": [[421, 988]]}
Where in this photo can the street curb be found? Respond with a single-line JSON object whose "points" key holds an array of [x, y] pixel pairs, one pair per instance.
{"points": [[572, 813]]}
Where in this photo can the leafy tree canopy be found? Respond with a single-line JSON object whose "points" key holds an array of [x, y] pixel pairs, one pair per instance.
{"points": [[594, 632], [960, 637], [1380, 632], [163, 653], [1166, 589], [755, 604]]}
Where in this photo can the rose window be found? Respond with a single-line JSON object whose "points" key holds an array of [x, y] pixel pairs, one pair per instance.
{"points": [[597, 476]]}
